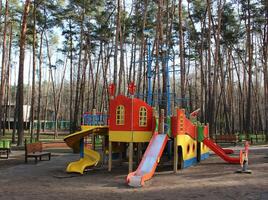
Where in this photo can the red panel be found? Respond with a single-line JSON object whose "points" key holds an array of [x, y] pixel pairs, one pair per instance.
{"points": [[137, 105], [129, 121], [190, 129], [174, 125], [181, 125], [206, 131], [124, 101]]}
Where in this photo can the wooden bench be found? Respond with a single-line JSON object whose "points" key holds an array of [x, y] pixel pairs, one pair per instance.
{"points": [[35, 150], [226, 139], [5, 148]]}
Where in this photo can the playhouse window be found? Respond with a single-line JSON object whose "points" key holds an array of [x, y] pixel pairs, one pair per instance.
{"points": [[143, 117], [120, 115]]}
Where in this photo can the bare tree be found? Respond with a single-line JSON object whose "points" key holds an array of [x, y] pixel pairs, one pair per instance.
{"points": [[21, 71], [182, 61], [33, 72], [3, 71]]}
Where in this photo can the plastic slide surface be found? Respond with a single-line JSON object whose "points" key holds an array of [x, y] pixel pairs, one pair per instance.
{"points": [[149, 162], [220, 152], [73, 140], [91, 157]]}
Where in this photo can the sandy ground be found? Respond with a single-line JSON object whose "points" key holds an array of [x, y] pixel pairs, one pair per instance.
{"points": [[211, 179]]}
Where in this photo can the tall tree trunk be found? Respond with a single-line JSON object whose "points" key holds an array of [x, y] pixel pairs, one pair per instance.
{"points": [[1, 8], [121, 69], [39, 87], [21, 71], [118, 27], [142, 46], [58, 100], [71, 77], [33, 73], [249, 63], [265, 69], [46, 102], [53, 88], [77, 93], [9, 76], [182, 61], [3, 71], [209, 102]]}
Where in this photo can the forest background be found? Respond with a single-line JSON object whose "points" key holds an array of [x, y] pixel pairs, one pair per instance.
{"points": [[62, 55]]}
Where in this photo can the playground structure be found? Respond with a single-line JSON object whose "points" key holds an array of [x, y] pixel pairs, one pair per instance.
{"points": [[131, 124]]}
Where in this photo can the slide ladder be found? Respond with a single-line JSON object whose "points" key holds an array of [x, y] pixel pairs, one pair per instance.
{"points": [[149, 161]]}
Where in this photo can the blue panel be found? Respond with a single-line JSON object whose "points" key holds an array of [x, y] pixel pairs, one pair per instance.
{"points": [[98, 119], [189, 162], [204, 156]]}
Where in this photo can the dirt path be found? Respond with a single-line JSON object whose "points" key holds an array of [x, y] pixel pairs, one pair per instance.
{"points": [[212, 179]]}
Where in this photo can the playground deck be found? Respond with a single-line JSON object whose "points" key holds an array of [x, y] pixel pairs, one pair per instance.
{"points": [[212, 179]]}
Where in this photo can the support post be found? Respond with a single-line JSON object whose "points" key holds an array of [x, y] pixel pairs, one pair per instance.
{"points": [[94, 113], [175, 163], [149, 75], [120, 153], [82, 148], [208, 131], [130, 157], [103, 150], [162, 121], [139, 153], [110, 157], [93, 141]]}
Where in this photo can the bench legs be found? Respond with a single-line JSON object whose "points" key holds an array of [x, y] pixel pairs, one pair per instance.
{"points": [[37, 157], [5, 151], [49, 156]]}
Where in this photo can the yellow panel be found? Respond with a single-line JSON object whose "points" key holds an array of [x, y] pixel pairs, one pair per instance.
{"points": [[126, 136], [184, 141], [140, 136], [86, 127], [120, 136], [204, 148]]}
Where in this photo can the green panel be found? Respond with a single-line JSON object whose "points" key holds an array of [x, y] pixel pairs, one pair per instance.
{"points": [[200, 130], [156, 124], [169, 126], [6, 144]]}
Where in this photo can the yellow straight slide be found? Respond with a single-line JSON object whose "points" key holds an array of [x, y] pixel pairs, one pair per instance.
{"points": [[91, 157]]}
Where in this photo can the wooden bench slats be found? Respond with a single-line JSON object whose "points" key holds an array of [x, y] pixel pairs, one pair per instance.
{"points": [[226, 139], [35, 150]]}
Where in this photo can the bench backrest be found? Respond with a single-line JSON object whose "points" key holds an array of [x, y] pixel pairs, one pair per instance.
{"points": [[34, 147], [226, 137], [5, 144]]}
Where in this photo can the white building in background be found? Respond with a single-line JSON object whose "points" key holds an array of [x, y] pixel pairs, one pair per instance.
{"points": [[26, 112]]}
